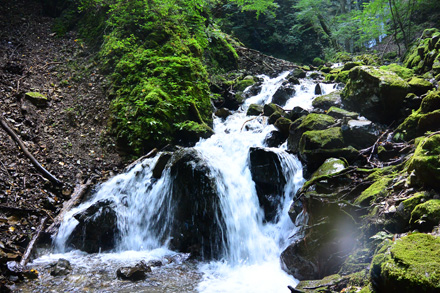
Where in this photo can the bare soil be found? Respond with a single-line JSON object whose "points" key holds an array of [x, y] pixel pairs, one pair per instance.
{"points": [[67, 135]]}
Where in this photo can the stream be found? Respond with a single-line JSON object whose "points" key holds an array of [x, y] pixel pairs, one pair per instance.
{"points": [[249, 247]]}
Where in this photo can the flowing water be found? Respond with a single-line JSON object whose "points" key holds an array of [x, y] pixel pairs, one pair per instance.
{"points": [[250, 258]]}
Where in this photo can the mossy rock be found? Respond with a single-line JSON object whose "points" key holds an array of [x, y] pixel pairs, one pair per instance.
{"points": [[37, 99], [283, 125], [326, 101], [312, 121], [425, 161], [420, 86], [431, 102], [376, 190], [410, 264], [349, 65], [272, 108], [339, 113], [374, 93], [190, 132], [325, 285], [244, 83], [254, 110], [408, 128], [330, 166], [426, 215], [401, 71]]}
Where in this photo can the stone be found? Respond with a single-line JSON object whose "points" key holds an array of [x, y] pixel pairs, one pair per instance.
{"points": [[160, 164], [318, 90], [310, 122], [297, 73], [198, 222], [272, 108], [223, 113], [326, 101], [269, 179], [409, 264], [360, 133], [431, 102], [274, 139], [254, 110], [283, 93], [339, 113], [283, 125], [420, 86], [330, 166], [135, 273], [36, 98], [296, 113], [61, 268], [97, 228], [190, 132], [425, 162], [374, 93], [426, 215], [378, 189]]}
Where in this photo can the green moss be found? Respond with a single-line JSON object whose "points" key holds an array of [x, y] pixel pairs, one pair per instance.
{"points": [[330, 166], [426, 215], [410, 264], [322, 139], [401, 71], [241, 85], [420, 86], [36, 98], [408, 128], [410, 203], [316, 121], [431, 102], [425, 161], [376, 190], [318, 61]]}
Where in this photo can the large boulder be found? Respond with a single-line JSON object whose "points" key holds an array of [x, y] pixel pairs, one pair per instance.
{"points": [[360, 133], [375, 93], [197, 218], [97, 228], [410, 264], [327, 223], [326, 101], [267, 173], [426, 215], [310, 122]]}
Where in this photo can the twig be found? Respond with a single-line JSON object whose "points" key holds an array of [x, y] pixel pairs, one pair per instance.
{"points": [[151, 154], [241, 129], [27, 253], [78, 194], [37, 165]]}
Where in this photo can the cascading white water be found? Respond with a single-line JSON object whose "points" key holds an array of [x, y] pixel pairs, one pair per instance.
{"points": [[251, 255]]}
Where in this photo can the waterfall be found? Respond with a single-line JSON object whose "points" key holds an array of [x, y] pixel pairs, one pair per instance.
{"points": [[250, 246]]}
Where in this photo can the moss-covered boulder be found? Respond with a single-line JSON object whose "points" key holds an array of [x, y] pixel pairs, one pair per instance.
{"points": [[400, 70], [326, 101], [283, 125], [423, 56], [272, 108], [420, 86], [339, 113], [410, 264], [426, 161], [254, 110], [431, 102], [426, 215], [379, 189], [375, 93], [310, 122], [190, 132], [283, 93]]}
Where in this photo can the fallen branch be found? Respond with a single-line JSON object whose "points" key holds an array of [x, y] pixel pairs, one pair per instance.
{"points": [[77, 196], [151, 154], [37, 165], [241, 129], [29, 248]]}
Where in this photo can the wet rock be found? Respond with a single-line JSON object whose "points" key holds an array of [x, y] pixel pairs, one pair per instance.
{"points": [[296, 113], [272, 108], [198, 222], [330, 166], [160, 164], [223, 113], [254, 110], [374, 93], [318, 90], [409, 264], [283, 125], [97, 228], [135, 273], [360, 133], [36, 98], [274, 139], [61, 268], [326, 101], [283, 93], [306, 123], [297, 73], [191, 132], [269, 179]]}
